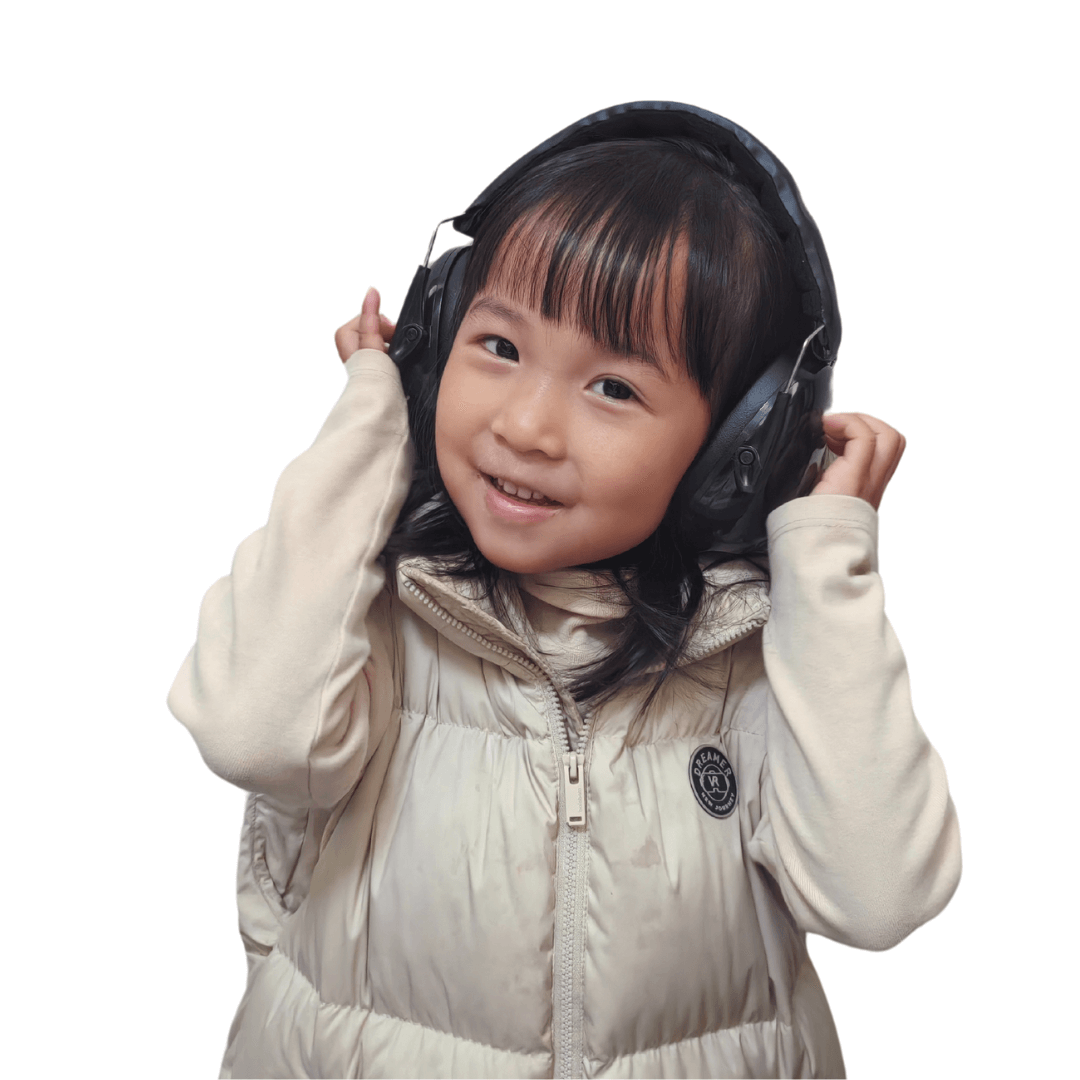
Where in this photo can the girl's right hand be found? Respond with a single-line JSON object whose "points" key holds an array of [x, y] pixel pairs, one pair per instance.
{"points": [[369, 330]]}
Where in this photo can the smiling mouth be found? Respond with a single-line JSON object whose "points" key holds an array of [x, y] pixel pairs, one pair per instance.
{"points": [[520, 494]]}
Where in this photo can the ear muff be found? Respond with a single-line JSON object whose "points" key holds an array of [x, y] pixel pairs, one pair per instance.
{"points": [[767, 450], [770, 447], [422, 341]]}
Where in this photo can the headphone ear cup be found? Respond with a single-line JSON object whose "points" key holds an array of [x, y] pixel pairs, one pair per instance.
{"points": [[427, 316], [721, 447], [407, 345], [422, 342], [760, 456]]}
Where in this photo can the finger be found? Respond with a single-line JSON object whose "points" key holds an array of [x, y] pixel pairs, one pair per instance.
{"points": [[370, 332], [895, 461], [888, 449], [899, 454], [848, 435], [387, 328], [852, 438], [838, 428]]}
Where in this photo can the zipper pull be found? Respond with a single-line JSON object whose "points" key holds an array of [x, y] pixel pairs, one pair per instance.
{"points": [[573, 789]]}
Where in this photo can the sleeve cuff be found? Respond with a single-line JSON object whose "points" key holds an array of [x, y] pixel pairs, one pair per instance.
{"points": [[822, 510], [373, 361]]}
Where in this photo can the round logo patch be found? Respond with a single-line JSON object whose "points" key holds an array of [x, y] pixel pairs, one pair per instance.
{"points": [[713, 781]]}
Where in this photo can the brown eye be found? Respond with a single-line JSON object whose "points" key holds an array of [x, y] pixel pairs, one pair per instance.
{"points": [[613, 389], [505, 350]]}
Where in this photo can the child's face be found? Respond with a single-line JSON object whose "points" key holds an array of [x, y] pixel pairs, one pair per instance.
{"points": [[603, 438]]}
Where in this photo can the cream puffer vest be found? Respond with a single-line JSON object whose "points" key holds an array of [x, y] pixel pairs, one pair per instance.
{"points": [[448, 871]]}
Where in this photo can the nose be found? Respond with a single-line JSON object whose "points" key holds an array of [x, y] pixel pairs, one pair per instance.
{"points": [[532, 419]]}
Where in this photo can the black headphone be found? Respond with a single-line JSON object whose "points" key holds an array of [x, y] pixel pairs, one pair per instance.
{"points": [[769, 447]]}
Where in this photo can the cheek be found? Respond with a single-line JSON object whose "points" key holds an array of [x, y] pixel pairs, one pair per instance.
{"points": [[645, 471], [452, 419], [640, 476]]}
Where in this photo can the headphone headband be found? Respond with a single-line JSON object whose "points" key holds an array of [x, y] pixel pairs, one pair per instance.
{"points": [[756, 166]]}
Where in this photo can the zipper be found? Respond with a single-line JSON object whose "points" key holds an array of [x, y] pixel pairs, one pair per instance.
{"points": [[568, 1023], [570, 906], [573, 789]]}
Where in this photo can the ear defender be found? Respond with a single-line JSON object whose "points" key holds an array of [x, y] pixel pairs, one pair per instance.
{"points": [[770, 447], [423, 338]]}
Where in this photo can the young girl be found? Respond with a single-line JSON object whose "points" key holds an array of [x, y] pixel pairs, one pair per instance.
{"points": [[546, 780]]}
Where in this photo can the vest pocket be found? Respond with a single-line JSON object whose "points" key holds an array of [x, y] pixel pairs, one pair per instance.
{"points": [[279, 847]]}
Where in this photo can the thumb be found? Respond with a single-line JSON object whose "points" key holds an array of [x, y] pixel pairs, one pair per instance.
{"points": [[370, 330]]}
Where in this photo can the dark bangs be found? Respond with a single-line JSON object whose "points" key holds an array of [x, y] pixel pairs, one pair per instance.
{"points": [[647, 245]]}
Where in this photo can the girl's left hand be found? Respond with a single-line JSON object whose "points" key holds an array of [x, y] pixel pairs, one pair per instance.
{"points": [[869, 451]]}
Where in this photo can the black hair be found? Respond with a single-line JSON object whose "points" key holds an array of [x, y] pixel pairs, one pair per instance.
{"points": [[588, 237]]}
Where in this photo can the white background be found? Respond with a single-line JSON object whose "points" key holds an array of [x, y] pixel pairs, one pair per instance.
{"points": [[196, 195]]}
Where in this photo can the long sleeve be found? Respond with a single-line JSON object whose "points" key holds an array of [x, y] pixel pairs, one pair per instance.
{"points": [[292, 658], [857, 826]]}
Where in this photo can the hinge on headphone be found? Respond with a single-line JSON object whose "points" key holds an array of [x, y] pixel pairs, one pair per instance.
{"points": [[802, 353], [431, 246]]}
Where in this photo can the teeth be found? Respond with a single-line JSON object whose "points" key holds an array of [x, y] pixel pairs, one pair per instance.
{"points": [[520, 492]]}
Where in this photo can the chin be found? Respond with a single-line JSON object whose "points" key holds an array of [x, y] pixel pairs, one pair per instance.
{"points": [[516, 558], [517, 562]]}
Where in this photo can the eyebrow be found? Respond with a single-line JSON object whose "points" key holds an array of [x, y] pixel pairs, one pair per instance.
{"points": [[495, 307]]}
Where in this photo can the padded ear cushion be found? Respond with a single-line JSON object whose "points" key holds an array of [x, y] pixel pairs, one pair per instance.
{"points": [[444, 324]]}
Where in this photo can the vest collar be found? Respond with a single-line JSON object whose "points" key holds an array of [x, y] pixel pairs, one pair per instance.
{"points": [[736, 604]]}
